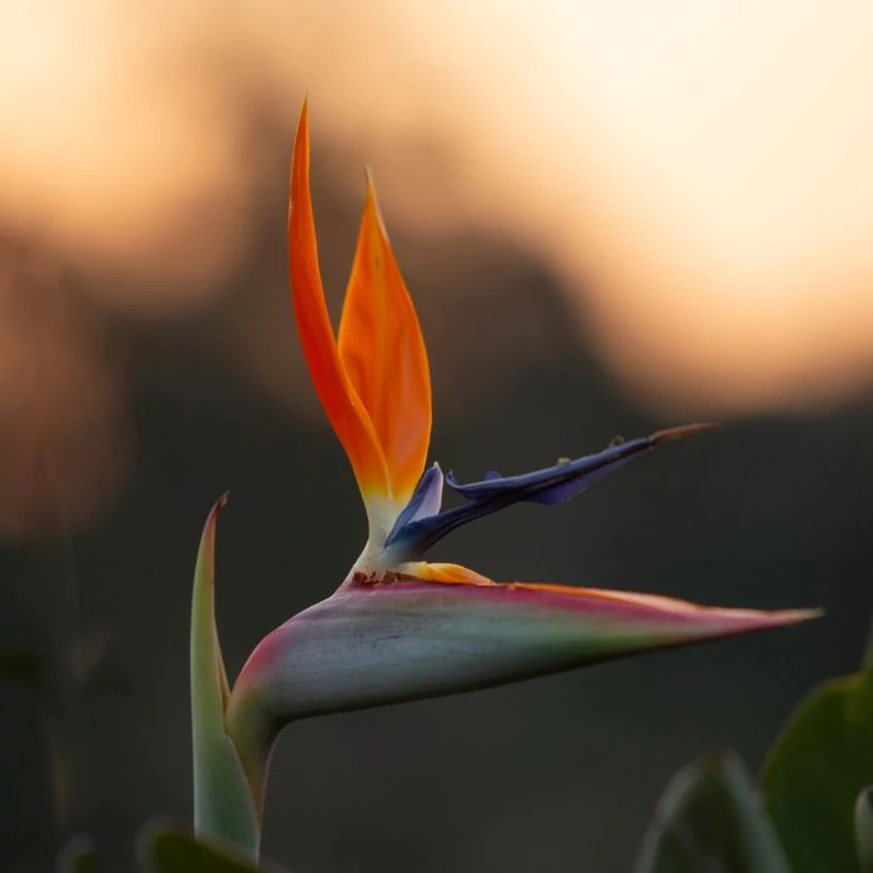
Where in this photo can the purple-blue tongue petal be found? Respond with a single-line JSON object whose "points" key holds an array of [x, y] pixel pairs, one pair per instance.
{"points": [[426, 499], [551, 486], [415, 531]]}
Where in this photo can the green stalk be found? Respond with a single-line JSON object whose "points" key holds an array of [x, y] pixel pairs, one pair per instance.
{"points": [[224, 810]]}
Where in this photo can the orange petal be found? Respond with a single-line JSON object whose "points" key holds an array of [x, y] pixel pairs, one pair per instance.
{"points": [[448, 574], [345, 411], [383, 352]]}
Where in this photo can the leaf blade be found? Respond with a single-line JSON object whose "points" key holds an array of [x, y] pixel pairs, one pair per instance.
{"points": [[710, 820], [819, 764], [223, 803], [163, 848], [864, 829]]}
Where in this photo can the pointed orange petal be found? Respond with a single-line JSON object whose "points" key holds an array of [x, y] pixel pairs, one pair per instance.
{"points": [[383, 352], [345, 411]]}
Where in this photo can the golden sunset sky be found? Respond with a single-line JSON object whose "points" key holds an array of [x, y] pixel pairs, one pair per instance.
{"points": [[696, 173]]}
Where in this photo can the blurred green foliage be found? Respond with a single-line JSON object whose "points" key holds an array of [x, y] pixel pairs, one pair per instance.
{"points": [[710, 820], [812, 779], [169, 850]]}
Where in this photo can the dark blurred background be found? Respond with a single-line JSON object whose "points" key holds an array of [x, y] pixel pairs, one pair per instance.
{"points": [[612, 218]]}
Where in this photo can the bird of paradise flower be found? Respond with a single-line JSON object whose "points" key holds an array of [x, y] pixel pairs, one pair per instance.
{"points": [[399, 628]]}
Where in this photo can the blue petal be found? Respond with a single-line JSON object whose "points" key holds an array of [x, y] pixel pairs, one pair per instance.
{"points": [[425, 501], [415, 531], [553, 485]]}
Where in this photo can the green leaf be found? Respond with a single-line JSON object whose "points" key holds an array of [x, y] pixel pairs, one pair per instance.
{"points": [[223, 803], [822, 760], [78, 856], [710, 820], [864, 829], [170, 850]]}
